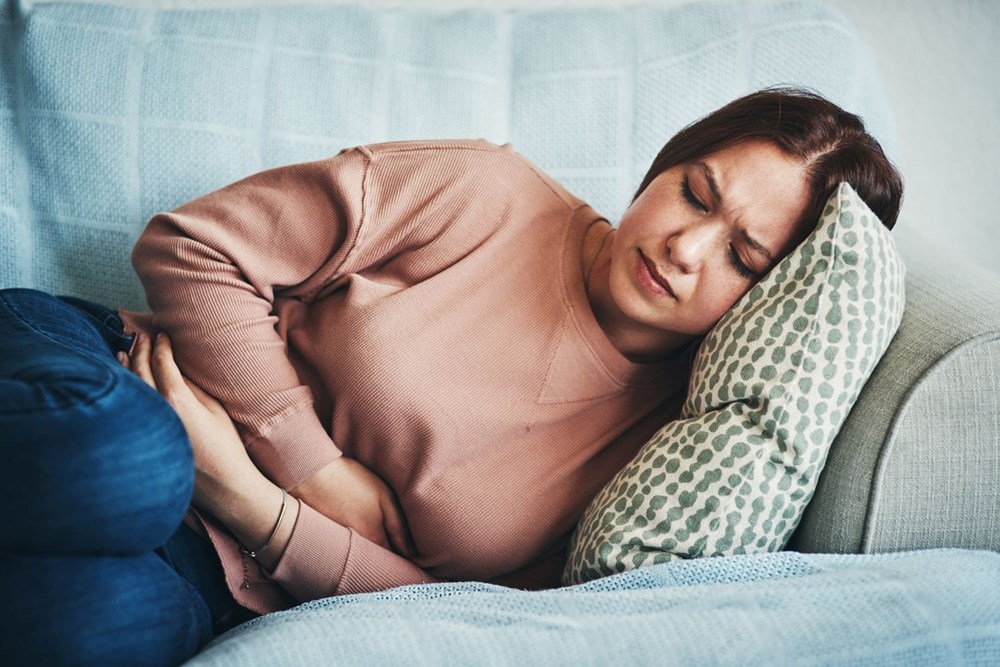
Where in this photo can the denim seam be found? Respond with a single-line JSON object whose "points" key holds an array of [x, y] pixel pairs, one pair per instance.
{"points": [[104, 324], [90, 400]]}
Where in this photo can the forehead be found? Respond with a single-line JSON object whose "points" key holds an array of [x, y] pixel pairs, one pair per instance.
{"points": [[763, 190]]}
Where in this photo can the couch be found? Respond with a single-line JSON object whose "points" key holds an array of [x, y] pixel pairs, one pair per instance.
{"points": [[112, 112]]}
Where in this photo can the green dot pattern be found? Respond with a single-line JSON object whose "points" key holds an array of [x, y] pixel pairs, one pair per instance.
{"points": [[771, 385]]}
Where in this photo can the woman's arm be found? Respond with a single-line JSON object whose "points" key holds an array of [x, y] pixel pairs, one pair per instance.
{"points": [[215, 268], [212, 269], [232, 489], [228, 485]]}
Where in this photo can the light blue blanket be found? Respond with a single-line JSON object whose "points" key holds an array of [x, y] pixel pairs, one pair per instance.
{"points": [[934, 607]]}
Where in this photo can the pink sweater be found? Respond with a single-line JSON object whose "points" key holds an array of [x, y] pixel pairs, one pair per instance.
{"points": [[420, 307]]}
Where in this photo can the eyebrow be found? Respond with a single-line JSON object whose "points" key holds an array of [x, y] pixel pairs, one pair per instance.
{"points": [[717, 196]]}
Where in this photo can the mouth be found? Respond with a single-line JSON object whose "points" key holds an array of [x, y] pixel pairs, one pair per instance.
{"points": [[652, 279]]}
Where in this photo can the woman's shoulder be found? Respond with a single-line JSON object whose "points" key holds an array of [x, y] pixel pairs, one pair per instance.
{"points": [[433, 145], [470, 157]]}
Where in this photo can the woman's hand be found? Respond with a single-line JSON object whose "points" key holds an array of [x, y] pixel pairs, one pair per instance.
{"points": [[344, 490], [354, 496], [228, 485], [220, 458]]}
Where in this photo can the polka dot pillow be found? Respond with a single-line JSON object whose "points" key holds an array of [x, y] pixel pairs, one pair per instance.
{"points": [[771, 386]]}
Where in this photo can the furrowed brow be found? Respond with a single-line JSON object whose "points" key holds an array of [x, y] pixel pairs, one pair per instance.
{"points": [[757, 247], [713, 185]]}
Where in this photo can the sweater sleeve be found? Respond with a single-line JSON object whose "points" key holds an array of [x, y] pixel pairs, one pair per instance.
{"points": [[324, 558], [211, 270]]}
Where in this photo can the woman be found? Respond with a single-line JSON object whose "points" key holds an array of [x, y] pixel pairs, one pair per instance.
{"points": [[411, 362]]}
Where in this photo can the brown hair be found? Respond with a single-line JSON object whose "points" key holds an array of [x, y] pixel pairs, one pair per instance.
{"points": [[831, 142]]}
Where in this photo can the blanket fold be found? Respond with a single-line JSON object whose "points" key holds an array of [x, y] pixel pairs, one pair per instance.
{"points": [[938, 606]]}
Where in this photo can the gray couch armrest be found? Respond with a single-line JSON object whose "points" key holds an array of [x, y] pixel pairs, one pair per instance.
{"points": [[917, 463]]}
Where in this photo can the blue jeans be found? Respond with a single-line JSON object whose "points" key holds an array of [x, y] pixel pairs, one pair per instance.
{"points": [[95, 564]]}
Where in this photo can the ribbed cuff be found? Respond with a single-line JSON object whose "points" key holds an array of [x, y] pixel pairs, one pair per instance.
{"points": [[373, 568], [314, 559], [293, 449]]}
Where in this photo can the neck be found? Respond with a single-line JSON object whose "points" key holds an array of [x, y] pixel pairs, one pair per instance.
{"points": [[638, 342]]}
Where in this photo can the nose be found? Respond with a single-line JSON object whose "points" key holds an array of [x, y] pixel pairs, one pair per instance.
{"points": [[689, 246]]}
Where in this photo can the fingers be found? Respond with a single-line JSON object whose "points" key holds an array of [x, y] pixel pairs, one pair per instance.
{"points": [[140, 361], [395, 527], [153, 362], [382, 540], [167, 376], [373, 534]]}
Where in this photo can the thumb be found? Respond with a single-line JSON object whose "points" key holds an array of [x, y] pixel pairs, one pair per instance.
{"points": [[396, 528], [169, 380], [206, 399]]}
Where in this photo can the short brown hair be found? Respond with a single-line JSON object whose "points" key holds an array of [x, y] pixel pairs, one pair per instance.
{"points": [[831, 142]]}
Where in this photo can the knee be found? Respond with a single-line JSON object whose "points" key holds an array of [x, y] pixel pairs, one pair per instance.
{"points": [[97, 461], [111, 473]]}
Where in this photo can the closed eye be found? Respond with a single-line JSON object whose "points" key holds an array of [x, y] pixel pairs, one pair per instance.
{"points": [[741, 268], [689, 195], [734, 257]]}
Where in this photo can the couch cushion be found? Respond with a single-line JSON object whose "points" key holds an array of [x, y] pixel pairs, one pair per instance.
{"points": [[772, 384], [917, 465], [109, 114], [11, 223]]}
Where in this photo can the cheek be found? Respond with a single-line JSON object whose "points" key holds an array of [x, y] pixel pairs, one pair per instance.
{"points": [[628, 228], [722, 296], [620, 278], [648, 216]]}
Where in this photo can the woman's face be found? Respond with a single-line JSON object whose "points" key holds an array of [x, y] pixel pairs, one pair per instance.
{"points": [[710, 230]]}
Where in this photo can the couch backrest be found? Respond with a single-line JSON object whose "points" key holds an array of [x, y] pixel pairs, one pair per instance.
{"points": [[109, 114]]}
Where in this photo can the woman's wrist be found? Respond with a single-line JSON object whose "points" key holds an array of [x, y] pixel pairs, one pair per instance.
{"points": [[278, 522], [250, 509]]}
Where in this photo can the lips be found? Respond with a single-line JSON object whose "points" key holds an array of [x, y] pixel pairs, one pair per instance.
{"points": [[657, 277]]}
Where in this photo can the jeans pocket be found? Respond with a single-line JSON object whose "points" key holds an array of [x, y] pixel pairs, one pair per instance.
{"points": [[107, 322]]}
